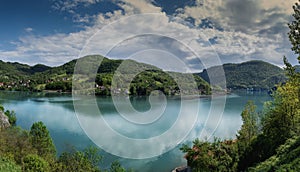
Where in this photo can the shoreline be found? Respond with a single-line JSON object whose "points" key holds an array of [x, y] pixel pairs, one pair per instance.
{"points": [[182, 169]]}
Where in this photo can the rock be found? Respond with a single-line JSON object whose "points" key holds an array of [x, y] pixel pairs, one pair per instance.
{"points": [[4, 122], [182, 169]]}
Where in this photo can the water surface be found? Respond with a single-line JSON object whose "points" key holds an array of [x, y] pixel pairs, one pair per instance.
{"points": [[57, 112]]}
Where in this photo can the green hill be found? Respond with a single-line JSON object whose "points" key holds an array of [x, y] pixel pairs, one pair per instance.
{"points": [[21, 77], [252, 74], [14, 72]]}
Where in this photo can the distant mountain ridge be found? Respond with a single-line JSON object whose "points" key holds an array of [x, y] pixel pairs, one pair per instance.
{"points": [[255, 75], [13, 71], [20, 77], [252, 74], [23, 67]]}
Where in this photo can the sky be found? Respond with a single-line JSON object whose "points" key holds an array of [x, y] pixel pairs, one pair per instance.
{"points": [[170, 34]]}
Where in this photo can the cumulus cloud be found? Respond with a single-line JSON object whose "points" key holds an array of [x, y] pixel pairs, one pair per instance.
{"points": [[283, 6], [52, 50], [143, 6], [261, 26], [235, 31], [246, 16]]}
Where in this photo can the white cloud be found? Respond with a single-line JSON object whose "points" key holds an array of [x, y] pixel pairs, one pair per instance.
{"points": [[247, 16], [70, 5], [28, 29], [143, 6], [253, 29], [52, 50], [283, 6], [258, 38]]}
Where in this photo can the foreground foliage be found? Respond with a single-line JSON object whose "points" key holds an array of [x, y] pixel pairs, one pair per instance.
{"points": [[86, 160], [285, 159], [215, 156], [33, 162], [7, 164], [33, 150], [267, 141]]}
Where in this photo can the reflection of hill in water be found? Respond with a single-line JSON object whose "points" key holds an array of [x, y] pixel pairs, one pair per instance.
{"points": [[60, 99], [14, 95], [19, 95]]}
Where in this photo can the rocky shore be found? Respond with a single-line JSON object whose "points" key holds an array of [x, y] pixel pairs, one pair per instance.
{"points": [[182, 169], [4, 122]]}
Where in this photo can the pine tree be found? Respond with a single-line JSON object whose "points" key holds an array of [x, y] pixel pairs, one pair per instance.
{"points": [[41, 140]]}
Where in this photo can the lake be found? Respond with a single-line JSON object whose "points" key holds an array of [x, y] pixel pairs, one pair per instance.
{"points": [[165, 120]]}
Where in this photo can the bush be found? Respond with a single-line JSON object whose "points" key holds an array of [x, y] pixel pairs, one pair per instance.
{"points": [[7, 164], [215, 156], [35, 163], [12, 118], [86, 160], [286, 158]]}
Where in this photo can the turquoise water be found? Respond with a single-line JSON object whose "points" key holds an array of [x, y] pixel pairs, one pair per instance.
{"points": [[57, 112]]}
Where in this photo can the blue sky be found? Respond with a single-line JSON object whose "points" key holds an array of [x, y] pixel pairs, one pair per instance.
{"points": [[53, 32]]}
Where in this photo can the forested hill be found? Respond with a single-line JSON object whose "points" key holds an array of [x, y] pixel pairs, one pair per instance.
{"points": [[14, 71], [252, 75], [20, 77]]}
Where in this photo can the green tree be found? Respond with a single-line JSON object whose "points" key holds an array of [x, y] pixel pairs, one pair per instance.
{"points": [[249, 129], [294, 33], [116, 167], [7, 164], [286, 158], [35, 163], [12, 118], [74, 161], [15, 142], [1, 108], [93, 155], [216, 156], [292, 88], [42, 141], [281, 116]]}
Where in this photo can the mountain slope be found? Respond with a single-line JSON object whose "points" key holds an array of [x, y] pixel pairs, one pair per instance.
{"points": [[17, 71], [252, 74], [143, 78]]}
